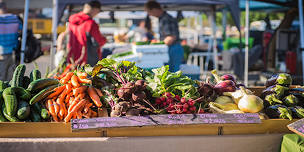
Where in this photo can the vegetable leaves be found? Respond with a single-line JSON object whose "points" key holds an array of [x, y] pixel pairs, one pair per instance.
{"points": [[165, 81]]}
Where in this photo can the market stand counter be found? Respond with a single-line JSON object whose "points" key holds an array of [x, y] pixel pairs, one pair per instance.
{"points": [[52, 129]]}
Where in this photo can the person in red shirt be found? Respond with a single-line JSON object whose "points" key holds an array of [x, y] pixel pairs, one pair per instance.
{"points": [[85, 39]]}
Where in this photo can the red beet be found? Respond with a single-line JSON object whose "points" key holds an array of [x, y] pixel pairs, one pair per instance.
{"points": [[206, 89], [140, 85], [228, 77], [225, 86], [138, 96]]}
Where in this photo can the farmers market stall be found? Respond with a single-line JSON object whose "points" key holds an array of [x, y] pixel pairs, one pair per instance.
{"points": [[119, 99]]}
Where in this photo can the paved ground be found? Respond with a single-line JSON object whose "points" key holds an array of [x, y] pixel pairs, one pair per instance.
{"points": [[43, 62]]}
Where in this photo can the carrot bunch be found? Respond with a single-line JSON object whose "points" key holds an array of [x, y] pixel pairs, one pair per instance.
{"points": [[74, 98]]}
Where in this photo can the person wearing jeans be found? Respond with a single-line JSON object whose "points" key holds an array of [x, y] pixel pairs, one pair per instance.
{"points": [[169, 33]]}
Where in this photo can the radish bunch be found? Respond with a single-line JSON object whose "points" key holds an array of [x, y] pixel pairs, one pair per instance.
{"points": [[176, 105]]}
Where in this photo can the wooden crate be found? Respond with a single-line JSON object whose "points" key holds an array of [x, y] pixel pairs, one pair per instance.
{"points": [[54, 129], [51, 129]]}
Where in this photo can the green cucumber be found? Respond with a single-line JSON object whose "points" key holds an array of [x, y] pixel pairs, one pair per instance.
{"points": [[7, 116], [40, 84], [42, 94], [23, 110], [22, 93], [26, 81], [17, 80], [3, 85], [45, 114], [10, 101], [35, 75], [35, 117], [2, 118]]}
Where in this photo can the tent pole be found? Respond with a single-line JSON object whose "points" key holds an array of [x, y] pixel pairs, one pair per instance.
{"points": [[54, 32], [224, 23], [301, 34], [24, 30], [213, 24], [246, 44]]}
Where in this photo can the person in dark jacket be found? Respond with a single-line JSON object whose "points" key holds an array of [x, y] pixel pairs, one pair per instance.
{"points": [[169, 33], [85, 39]]}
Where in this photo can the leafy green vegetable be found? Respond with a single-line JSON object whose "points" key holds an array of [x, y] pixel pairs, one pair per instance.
{"points": [[121, 54], [118, 72], [165, 81]]}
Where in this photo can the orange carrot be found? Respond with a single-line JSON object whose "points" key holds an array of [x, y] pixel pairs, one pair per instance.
{"points": [[99, 92], [74, 116], [52, 110], [87, 115], [60, 101], [74, 81], [65, 79], [68, 117], [79, 115], [56, 107], [73, 111], [75, 101], [69, 88], [67, 98], [79, 90], [93, 95], [93, 113], [57, 90], [79, 105], [84, 80], [82, 75], [87, 107]]}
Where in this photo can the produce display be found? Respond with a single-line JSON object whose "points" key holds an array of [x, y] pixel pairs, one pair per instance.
{"points": [[281, 100], [115, 89], [150, 43]]}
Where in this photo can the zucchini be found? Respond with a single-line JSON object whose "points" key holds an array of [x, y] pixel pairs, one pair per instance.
{"points": [[40, 84], [26, 81], [35, 75], [7, 116], [3, 85], [35, 117], [42, 94], [23, 110], [37, 107], [18, 75], [10, 101], [22, 93]]}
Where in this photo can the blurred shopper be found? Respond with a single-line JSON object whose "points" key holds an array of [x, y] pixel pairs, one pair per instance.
{"points": [[138, 33], [169, 33], [85, 39], [10, 27]]}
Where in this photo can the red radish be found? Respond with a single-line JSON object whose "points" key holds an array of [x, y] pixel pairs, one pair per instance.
{"points": [[177, 97], [162, 99], [183, 100], [186, 105], [168, 94], [185, 109]]}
